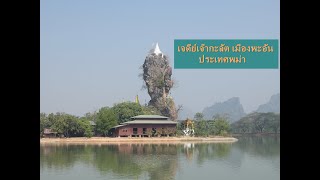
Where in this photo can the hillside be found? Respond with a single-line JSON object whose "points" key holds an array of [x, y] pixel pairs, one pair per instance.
{"points": [[273, 105], [232, 108]]}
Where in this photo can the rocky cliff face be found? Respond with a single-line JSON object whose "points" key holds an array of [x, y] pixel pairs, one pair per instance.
{"points": [[272, 106], [157, 76], [232, 108]]}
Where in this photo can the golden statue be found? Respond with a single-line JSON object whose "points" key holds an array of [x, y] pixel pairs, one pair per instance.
{"points": [[188, 123], [188, 126]]}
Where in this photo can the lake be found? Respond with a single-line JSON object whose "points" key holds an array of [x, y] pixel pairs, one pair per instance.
{"points": [[250, 158]]}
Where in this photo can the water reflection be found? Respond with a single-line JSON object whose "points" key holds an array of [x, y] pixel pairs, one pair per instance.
{"points": [[157, 161], [265, 147]]}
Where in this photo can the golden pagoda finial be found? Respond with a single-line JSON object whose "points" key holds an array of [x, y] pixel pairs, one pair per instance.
{"points": [[137, 100]]}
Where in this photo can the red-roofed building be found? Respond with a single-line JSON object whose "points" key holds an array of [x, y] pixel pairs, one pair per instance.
{"points": [[145, 126]]}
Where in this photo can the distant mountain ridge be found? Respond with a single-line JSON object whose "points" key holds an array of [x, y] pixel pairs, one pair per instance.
{"points": [[232, 107], [273, 105]]}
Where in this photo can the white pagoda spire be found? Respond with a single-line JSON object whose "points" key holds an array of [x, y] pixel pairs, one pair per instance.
{"points": [[157, 50]]}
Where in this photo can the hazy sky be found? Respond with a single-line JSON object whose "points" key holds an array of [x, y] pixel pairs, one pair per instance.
{"points": [[92, 51]]}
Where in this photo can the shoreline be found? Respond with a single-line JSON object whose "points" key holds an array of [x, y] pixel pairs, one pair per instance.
{"points": [[146, 140], [255, 134]]}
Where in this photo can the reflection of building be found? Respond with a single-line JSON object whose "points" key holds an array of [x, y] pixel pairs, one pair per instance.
{"points": [[125, 148], [46, 150], [145, 125], [189, 150]]}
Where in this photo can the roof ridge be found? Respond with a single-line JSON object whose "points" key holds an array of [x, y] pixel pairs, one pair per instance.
{"points": [[149, 116]]}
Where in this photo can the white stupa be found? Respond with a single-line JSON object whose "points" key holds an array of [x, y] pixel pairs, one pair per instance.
{"points": [[157, 50]]}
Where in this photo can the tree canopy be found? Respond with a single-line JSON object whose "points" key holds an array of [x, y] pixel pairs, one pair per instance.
{"points": [[198, 116], [257, 123], [106, 119], [125, 110]]}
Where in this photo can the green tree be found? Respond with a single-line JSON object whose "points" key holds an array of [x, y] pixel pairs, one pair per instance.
{"points": [[91, 116], [244, 125], [221, 125], [273, 124], [65, 124], [85, 126], [51, 119], [179, 129], [124, 111], [198, 116], [106, 119], [276, 123], [261, 121], [59, 124], [210, 126], [44, 122], [73, 125], [257, 123], [201, 128]]}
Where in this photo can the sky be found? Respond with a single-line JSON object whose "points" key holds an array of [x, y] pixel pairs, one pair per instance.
{"points": [[91, 51]]}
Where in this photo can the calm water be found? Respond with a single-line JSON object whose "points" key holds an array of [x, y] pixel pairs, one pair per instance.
{"points": [[251, 158]]}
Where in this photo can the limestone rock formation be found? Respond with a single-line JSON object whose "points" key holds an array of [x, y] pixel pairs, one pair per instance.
{"points": [[157, 76], [272, 106]]}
